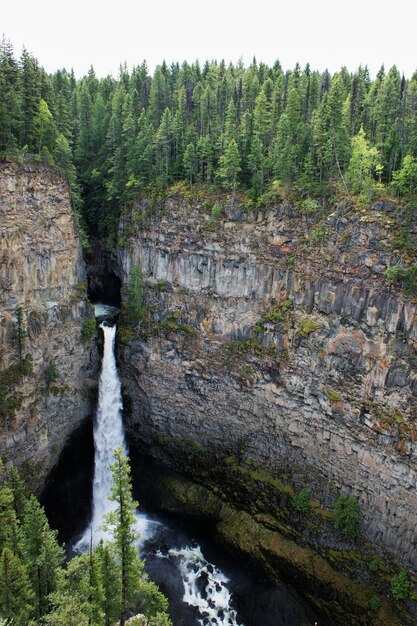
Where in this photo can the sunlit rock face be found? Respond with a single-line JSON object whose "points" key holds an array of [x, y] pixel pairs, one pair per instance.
{"points": [[42, 273], [325, 388]]}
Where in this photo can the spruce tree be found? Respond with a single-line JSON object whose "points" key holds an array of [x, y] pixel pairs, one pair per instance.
{"points": [[122, 522], [110, 581], [41, 552], [16, 595], [230, 166]]}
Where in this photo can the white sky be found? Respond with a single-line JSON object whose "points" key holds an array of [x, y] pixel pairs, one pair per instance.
{"points": [[325, 33]]}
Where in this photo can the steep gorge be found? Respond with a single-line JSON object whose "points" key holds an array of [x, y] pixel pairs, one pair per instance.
{"points": [[272, 357]]}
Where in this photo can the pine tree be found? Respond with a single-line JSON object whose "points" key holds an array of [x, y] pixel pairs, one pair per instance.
{"points": [[133, 308], [16, 596], [19, 491], [410, 146], [387, 115], [8, 520], [42, 554], [190, 163], [67, 610], [10, 111], [405, 179], [163, 149], [331, 131], [289, 151], [19, 333], [82, 580], [122, 524], [230, 166], [110, 581], [31, 95]]}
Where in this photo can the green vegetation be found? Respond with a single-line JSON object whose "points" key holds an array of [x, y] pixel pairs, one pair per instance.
{"points": [[266, 130], [400, 586], [19, 334], [96, 589], [190, 445], [242, 347], [10, 399], [274, 315], [347, 516], [301, 501], [51, 373], [373, 565], [217, 210], [307, 326], [407, 276], [88, 329], [134, 309], [390, 418], [332, 395], [374, 604]]}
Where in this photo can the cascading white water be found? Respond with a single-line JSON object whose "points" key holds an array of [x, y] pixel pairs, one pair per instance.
{"points": [[108, 437], [205, 586]]}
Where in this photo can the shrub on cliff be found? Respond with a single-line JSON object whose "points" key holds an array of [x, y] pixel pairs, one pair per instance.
{"points": [[88, 329], [346, 515], [400, 586], [406, 276], [301, 501]]}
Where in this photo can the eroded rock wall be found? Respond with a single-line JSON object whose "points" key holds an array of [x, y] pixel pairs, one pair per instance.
{"points": [[41, 272], [303, 358]]}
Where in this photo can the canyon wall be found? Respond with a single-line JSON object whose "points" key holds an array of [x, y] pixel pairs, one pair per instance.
{"points": [[47, 371], [274, 336]]}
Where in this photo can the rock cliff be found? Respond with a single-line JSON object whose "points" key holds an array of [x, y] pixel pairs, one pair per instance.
{"points": [[274, 336], [45, 366]]}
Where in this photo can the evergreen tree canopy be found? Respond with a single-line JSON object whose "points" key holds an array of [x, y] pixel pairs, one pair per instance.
{"points": [[236, 126]]}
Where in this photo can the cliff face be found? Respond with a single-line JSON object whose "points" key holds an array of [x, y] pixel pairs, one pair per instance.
{"points": [[276, 338], [44, 391]]}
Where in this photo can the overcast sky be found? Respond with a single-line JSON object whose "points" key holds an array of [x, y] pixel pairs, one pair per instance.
{"points": [[325, 33]]}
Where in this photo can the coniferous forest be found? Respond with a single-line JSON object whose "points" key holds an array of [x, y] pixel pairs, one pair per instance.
{"points": [[230, 126], [102, 586]]}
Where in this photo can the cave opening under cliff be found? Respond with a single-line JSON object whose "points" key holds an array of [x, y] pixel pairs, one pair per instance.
{"points": [[68, 490], [105, 288]]}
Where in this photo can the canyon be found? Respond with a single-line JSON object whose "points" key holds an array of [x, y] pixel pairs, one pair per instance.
{"points": [[272, 356]]}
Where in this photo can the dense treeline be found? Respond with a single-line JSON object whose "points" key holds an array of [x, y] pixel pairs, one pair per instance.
{"points": [[232, 126], [100, 588]]}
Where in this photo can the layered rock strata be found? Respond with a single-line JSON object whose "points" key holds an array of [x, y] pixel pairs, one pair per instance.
{"points": [[46, 368], [274, 336]]}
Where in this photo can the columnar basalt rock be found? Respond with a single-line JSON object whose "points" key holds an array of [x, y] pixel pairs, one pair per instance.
{"points": [[42, 274], [304, 358]]}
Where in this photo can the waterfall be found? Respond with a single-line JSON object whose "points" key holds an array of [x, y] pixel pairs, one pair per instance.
{"points": [[205, 586], [108, 436]]}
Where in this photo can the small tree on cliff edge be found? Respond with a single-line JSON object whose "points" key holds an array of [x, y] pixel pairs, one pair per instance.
{"points": [[19, 334], [133, 309], [347, 516], [122, 523]]}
